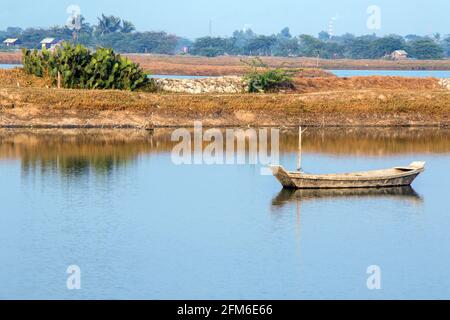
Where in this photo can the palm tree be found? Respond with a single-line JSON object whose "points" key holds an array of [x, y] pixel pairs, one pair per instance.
{"points": [[127, 27], [437, 37], [108, 24], [85, 27]]}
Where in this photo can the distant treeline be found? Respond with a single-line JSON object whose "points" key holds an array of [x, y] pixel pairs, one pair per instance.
{"points": [[121, 35], [324, 46], [110, 32]]}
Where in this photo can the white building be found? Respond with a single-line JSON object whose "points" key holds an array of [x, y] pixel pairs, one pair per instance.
{"points": [[47, 43], [10, 42]]}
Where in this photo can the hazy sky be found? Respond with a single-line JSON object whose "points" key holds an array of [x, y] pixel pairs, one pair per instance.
{"points": [[190, 18]]}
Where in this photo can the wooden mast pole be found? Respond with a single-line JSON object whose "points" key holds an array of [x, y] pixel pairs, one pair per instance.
{"points": [[300, 133]]}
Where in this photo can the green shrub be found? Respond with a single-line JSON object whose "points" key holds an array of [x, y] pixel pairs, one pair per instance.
{"points": [[80, 68], [32, 62], [261, 78]]}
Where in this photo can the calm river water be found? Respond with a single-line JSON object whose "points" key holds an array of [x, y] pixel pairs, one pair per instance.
{"points": [[140, 227], [339, 73], [393, 73]]}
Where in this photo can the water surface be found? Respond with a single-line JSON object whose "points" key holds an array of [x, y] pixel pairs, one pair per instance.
{"points": [[140, 227], [393, 73], [339, 73], [9, 66]]}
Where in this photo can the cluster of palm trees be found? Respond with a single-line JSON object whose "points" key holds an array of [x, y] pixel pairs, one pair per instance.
{"points": [[112, 24]]}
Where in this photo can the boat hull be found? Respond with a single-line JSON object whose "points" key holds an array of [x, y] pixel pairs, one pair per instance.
{"points": [[371, 179]]}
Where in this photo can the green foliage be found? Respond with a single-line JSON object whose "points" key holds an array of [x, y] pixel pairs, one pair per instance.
{"points": [[145, 42], [261, 78], [108, 24], [385, 46], [446, 46], [425, 48], [79, 68], [114, 32], [127, 27], [110, 31], [32, 62], [211, 47]]}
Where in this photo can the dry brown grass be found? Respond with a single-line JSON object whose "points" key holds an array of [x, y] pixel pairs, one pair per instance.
{"points": [[18, 78], [220, 66], [59, 107], [318, 101], [11, 57], [303, 85], [231, 65]]}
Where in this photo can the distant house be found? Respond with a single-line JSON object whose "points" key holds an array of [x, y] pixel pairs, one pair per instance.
{"points": [[399, 55], [48, 42], [11, 42]]}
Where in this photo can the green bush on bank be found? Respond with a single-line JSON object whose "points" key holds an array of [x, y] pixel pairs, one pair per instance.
{"points": [[79, 68], [261, 78]]}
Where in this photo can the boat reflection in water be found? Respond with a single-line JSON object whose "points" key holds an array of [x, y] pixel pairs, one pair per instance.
{"points": [[295, 199], [302, 195]]}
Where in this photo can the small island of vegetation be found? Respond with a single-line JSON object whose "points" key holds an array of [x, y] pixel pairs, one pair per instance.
{"points": [[76, 67]]}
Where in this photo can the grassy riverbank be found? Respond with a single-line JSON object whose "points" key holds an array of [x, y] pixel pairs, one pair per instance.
{"points": [[27, 101], [303, 84], [41, 107]]}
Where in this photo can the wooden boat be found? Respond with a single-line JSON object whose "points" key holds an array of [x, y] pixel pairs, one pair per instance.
{"points": [[394, 177]]}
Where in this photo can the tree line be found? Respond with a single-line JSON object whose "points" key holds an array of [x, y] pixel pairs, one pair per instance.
{"points": [[109, 32], [323, 46], [121, 35]]}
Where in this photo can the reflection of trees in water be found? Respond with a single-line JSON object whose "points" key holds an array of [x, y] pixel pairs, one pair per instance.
{"points": [[369, 141], [74, 153], [77, 152], [73, 166]]}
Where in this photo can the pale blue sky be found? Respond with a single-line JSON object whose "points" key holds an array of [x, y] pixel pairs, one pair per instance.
{"points": [[190, 18]]}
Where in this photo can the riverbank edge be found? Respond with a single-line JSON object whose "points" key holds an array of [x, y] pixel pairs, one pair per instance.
{"points": [[60, 108], [135, 127]]}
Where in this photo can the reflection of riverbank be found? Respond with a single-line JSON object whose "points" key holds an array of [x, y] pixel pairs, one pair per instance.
{"points": [[111, 148], [336, 141], [369, 141], [287, 196]]}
